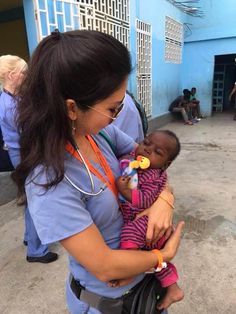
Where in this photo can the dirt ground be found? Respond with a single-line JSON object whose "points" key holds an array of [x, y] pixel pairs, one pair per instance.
{"points": [[203, 178]]}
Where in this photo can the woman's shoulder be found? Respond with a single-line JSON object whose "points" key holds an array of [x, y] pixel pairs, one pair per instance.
{"points": [[7, 100], [122, 142], [38, 176], [7, 108], [115, 133], [111, 130]]}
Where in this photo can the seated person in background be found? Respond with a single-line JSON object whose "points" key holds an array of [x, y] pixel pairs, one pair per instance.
{"points": [[194, 105], [139, 189], [180, 104], [230, 98]]}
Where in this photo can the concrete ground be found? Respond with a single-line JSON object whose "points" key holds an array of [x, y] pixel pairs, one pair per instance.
{"points": [[203, 177]]}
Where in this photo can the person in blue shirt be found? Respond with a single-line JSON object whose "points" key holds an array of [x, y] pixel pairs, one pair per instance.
{"points": [[12, 72], [74, 88], [129, 120]]}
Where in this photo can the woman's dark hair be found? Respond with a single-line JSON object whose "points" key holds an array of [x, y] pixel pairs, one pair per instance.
{"points": [[86, 66]]}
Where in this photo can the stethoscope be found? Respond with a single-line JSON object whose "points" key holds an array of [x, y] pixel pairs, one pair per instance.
{"points": [[93, 193]]}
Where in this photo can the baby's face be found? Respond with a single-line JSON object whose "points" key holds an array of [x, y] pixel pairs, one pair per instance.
{"points": [[157, 147]]}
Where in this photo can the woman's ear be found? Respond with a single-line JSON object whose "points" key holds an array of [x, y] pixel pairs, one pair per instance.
{"points": [[10, 75], [72, 109]]}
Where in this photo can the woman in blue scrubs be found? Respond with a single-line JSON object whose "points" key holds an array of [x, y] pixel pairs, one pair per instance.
{"points": [[12, 71], [75, 87]]}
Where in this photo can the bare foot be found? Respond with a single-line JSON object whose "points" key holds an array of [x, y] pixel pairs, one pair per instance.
{"points": [[173, 294]]}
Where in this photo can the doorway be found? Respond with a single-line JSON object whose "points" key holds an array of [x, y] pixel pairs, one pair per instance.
{"points": [[12, 29], [223, 82]]}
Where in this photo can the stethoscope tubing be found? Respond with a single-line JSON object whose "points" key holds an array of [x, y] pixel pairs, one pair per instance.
{"points": [[82, 191], [92, 193]]}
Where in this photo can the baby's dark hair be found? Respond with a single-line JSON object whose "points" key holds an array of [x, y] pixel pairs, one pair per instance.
{"points": [[177, 148]]}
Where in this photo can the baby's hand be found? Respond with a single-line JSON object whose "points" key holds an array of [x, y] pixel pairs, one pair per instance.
{"points": [[120, 282], [113, 283], [122, 182]]}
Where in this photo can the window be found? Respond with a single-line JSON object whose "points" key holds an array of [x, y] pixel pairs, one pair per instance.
{"points": [[144, 65], [173, 40]]}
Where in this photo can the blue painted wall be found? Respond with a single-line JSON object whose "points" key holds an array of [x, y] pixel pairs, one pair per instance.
{"points": [[219, 20], [209, 36], [212, 35], [166, 77], [215, 34]]}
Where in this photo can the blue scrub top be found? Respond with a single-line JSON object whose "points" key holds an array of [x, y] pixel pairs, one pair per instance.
{"points": [[63, 211], [8, 126], [129, 120]]}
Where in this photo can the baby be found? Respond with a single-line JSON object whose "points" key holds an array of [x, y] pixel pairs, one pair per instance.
{"points": [[160, 148]]}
